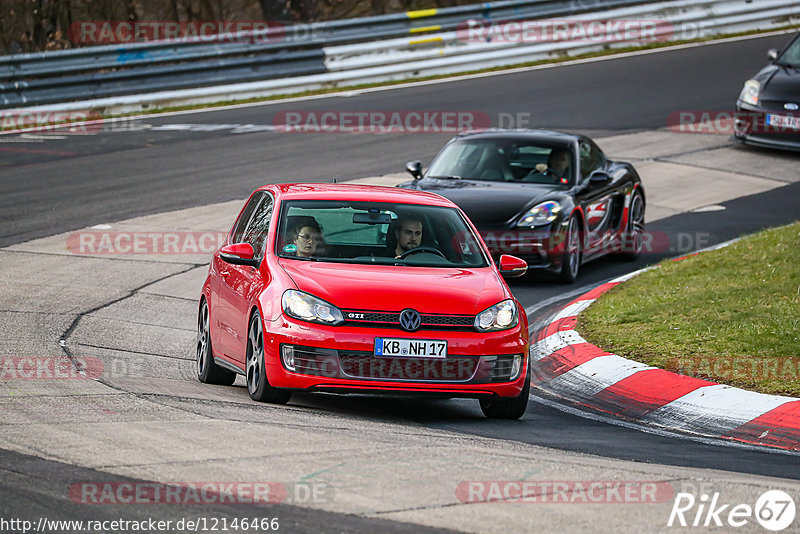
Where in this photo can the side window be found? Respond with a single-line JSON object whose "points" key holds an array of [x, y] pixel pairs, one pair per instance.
{"points": [[591, 159], [256, 232], [247, 214]]}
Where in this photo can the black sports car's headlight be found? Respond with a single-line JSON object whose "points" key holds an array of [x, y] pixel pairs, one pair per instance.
{"points": [[541, 214], [501, 316], [749, 94], [309, 308]]}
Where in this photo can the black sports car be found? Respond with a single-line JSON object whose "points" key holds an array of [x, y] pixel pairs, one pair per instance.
{"points": [[767, 110], [550, 198]]}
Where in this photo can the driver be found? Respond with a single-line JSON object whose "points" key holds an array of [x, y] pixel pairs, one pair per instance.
{"points": [[408, 234], [558, 164]]}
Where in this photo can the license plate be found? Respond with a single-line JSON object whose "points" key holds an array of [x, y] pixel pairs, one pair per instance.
{"points": [[410, 348], [783, 121]]}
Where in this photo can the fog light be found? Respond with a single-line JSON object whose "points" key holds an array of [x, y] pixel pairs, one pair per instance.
{"points": [[516, 366], [287, 352]]}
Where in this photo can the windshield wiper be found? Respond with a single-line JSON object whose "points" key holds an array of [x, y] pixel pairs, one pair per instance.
{"points": [[445, 177]]}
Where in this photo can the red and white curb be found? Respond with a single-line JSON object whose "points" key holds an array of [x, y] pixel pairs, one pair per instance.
{"points": [[565, 365]]}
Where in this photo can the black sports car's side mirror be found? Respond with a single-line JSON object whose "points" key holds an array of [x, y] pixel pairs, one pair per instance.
{"points": [[598, 178], [414, 168], [772, 54]]}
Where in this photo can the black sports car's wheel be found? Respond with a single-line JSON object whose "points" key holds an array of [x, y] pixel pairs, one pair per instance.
{"points": [[571, 259], [513, 408], [257, 383], [209, 372], [632, 241]]}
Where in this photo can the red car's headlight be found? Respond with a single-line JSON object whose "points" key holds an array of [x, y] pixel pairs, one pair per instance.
{"points": [[501, 316], [305, 307]]}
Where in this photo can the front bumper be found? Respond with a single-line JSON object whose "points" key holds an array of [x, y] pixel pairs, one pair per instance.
{"points": [[328, 358], [751, 128], [541, 247]]}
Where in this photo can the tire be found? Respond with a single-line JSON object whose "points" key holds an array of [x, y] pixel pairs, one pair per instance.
{"points": [[513, 408], [209, 372], [255, 367], [571, 258], [632, 240]]}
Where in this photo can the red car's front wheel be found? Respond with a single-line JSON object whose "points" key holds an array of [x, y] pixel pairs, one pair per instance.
{"points": [[257, 383]]}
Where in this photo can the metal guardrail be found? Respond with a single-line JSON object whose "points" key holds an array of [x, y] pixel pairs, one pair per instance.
{"points": [[343, 52]]}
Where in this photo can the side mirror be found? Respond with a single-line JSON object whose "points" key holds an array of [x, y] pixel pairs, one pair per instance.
{"points": [[239, 254], [598, 178], [414, 168], [772, 54], [512, 267]]}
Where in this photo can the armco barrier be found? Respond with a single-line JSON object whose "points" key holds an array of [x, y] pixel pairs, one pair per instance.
{"points": [[347, 52]]}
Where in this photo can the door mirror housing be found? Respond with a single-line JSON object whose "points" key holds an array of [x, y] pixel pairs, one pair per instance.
{"points": [[512, 267], [239, 254], [598, 178], [772, 54], [414, 168]]}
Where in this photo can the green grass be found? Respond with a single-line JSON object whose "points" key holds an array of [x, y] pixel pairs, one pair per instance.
{"points": [[731, 315]]}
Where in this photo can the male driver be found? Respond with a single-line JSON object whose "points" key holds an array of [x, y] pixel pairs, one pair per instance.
{"points": [[408, 234]]}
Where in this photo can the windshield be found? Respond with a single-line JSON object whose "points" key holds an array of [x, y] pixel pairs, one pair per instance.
{"points": [[504, 160], [791, 56], [377, 232]]}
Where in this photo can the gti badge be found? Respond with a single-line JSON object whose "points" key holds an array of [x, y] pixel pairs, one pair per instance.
{"points": [[791, 106]]}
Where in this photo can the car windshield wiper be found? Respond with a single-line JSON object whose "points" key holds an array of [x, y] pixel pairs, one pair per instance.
{"points": [[787, 64], [445, 176]]}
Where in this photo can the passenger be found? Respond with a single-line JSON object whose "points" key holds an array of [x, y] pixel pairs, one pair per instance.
{"points": [[307, 236]]}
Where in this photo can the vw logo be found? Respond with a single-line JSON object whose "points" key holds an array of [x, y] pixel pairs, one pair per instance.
{"points": [[791, 106], [410, 319]]}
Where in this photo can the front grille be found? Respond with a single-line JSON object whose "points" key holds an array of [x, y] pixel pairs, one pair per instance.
{"points": [[363, 365], [390, 319]]}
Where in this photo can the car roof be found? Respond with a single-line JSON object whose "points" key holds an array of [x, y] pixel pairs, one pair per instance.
{"points": [[547, 136], [356, 192]]}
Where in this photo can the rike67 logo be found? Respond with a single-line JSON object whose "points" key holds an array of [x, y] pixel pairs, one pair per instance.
{"points": [[774, 510]]}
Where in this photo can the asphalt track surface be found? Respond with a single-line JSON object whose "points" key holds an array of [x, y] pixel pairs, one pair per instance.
{"points": [[65, 184], [85, 180]]}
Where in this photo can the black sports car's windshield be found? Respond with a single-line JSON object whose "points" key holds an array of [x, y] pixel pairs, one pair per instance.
{"points": [[377, 232], [503, 160], [791, 56]]}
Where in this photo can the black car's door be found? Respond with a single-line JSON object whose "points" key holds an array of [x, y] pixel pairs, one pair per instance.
{"points": [[597, 199]]}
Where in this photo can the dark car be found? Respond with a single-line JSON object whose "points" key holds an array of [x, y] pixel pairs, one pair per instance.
{"points": [[767, 110], [550, 198]]}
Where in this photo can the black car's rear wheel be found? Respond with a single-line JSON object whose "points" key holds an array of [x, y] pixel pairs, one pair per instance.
{"points": [[257, 383], [571, 258], [632, 241], [209, 372], [513, 408]]}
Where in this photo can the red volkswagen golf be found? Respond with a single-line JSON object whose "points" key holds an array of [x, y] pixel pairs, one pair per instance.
{"points": [[346, 288]]}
